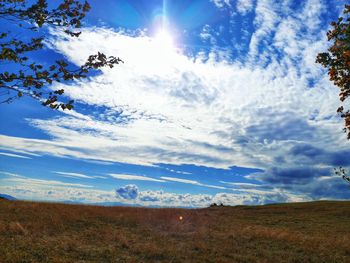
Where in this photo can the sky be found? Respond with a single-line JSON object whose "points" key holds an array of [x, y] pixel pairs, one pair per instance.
{"points": [[217, 101]]}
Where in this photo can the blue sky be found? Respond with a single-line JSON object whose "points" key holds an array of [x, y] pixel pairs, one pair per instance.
{"points": [[217, 101]]}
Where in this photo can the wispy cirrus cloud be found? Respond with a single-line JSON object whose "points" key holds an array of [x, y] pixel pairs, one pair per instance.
{"points": [[14, 155], [10, 174], [135, 177], [242, 185], [79, 175], [20, 179], [193, 182]]}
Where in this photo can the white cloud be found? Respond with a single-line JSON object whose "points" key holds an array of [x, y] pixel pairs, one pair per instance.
{"points": [[244, 6], [186, 181], [100, 177], [208, 34], [14, 155], [175, 171], [66, 174], [10, 174], [179, 180], [134, 177], [131, 195], [162, 179], [221, 3], [178, 109], [19, 179], [79, 175], [242, 185], [20, 151], [164, 106]]}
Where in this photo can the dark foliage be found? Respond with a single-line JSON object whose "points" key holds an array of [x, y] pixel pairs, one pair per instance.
{"points": [[342, 173], [337, 61], [29, 77]]}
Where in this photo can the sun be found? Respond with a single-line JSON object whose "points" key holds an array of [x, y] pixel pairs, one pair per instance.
{"points": [[164, 51], [164, 40]]}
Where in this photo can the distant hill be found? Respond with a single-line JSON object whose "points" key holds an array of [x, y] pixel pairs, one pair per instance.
{"points": [[7, 197]]}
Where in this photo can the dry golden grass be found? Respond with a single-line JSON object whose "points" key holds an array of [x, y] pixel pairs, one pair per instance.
{"points": [[304, 232]]}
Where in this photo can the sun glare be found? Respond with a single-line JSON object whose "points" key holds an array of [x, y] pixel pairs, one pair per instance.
{"points": [[164, 40], [164, 50]]}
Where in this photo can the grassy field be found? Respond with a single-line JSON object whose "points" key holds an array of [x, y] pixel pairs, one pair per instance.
{"points": [[300, 232]]}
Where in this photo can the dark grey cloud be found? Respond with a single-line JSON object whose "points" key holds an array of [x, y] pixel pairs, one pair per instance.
{"points": [[305, 150], [316, 183], [314, 155], [291, 176], [334, 188], [129, 192], [280, 126]]}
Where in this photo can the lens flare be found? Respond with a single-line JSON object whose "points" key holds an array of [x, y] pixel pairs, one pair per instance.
{"points": [[164, 40]]}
